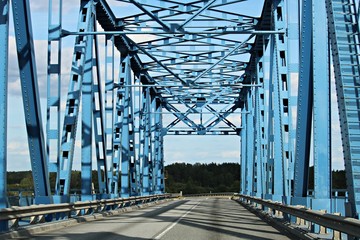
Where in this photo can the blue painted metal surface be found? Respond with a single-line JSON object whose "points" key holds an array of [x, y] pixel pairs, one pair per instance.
{"points": [[64, 166], [200, 63], [243, 161], [260, 126], [112, 153], [250, 144], [123, 127], [30, 93], [304, 110], [4, 36], [86, 124], [344, 41], [54, 85], [99, 124], [321, 103], [146, 142]]}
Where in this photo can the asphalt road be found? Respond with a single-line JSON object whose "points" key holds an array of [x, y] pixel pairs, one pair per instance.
{"points": [[196, 218]]}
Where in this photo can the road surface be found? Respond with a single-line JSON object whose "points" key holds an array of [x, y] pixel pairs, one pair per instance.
{"points": [[193, 218]]}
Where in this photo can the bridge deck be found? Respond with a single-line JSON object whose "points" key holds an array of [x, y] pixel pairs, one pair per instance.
{"points": [[195, 218]]}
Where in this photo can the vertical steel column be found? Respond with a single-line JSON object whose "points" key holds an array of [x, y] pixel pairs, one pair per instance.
{"points": [[147, 140], [4, 36], [345, 40], [161, 172], [134, 184], [152, 147], [250, 144], [86, 125], [278, 167], [243, 164], [281, 105], [321, 81], [314, 102], [260, 128], [267, 134], [122, 127], [137, 133], [112, 155], [305, 99], [54, 85], [29, 86], [270, 124], [293, 43], [99, 125], [141, 139], [159, 160], [85, 24]]}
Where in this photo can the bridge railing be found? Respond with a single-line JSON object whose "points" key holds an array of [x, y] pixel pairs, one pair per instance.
{"points": [[224, 194], [21, 216], [338, 224]]}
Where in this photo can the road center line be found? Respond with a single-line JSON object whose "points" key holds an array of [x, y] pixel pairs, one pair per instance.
{"points": [[160, 235]]}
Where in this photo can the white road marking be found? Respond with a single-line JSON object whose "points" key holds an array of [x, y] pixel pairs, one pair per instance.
{"points": [[159, 236]]}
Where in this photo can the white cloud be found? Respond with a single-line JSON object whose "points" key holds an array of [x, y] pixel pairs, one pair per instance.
{"points": [[18, 148], [43, 6]]}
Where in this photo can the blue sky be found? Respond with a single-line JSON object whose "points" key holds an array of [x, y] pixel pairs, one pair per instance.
{"points": [[189, 149]]}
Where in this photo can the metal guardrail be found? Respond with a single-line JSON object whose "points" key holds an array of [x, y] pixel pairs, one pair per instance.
{"points": [[46, 213], [342, 224], [224, 194]]}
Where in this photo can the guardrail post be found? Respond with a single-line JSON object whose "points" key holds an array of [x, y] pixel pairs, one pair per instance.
{"points": [[336, 234], [279, 214], [323, 229], [14, 223]]}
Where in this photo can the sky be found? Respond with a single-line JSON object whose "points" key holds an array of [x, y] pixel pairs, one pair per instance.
{"points": [[189, 149], [193, 149]]}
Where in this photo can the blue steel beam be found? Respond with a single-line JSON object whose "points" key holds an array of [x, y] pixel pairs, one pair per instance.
{"points": [[99, 124], [344, 41], [137, 94], [86, 124], [266, 114], [259, 127], [54, 84], [250, 142], [112, 155], [194, 15], [222, 117], [281, 120], [159, 160], [304, 110], [243, 160], [130, 45], [64, 166], [313, 102], [321, 111], [125, 126], [293, 22], [165, 10], [153, 164], [146, 141], [29, 86], [4, 42]]}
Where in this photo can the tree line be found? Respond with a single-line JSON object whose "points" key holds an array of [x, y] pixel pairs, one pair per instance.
{"points": [[185, 177]]}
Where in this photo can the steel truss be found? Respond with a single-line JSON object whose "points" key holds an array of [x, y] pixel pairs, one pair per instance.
{"points": [[204, 64]]}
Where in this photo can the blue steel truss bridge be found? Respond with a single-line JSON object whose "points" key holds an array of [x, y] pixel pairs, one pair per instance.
{"points": [[267, 71]]}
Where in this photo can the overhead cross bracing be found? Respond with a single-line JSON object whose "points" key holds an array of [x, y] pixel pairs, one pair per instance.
{"points": [[189, 60], [195, 53]]}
